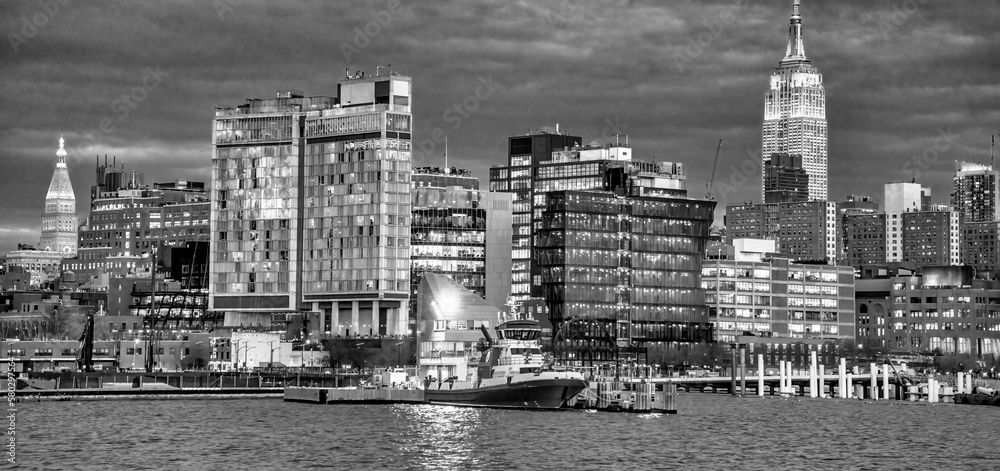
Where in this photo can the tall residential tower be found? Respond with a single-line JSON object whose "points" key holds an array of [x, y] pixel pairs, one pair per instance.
{"points": [[795, 112]]}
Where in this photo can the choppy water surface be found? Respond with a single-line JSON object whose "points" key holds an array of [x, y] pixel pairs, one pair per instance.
{"points": [[710, 432]]}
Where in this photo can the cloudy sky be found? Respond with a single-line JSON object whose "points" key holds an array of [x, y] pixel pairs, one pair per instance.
{"points": [[911, 85]]}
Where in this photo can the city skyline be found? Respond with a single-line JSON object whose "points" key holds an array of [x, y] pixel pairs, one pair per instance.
{"points": [[908, 83]]}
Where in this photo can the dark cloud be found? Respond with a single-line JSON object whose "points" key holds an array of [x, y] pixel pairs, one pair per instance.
{"points": [[897, 73]]}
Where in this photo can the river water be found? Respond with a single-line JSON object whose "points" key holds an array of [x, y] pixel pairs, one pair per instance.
{"points": [[709, 432]]}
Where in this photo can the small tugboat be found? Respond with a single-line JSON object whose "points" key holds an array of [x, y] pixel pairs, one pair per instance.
{"points": [[511, 374]]}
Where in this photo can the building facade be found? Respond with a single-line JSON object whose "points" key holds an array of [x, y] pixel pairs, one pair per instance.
{"points": [[808, 230], [59, 221], [777, 298], [311, 206], [622, 275], [943, 311], [785, 181], [550, 160], [975, 192], [795, 112], [981, 248], [461, 232]]}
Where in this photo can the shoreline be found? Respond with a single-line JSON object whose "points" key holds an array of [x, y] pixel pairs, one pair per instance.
{"points": [[142, 397]]}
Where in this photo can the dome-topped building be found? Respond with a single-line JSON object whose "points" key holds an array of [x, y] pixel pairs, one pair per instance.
{"points": [[59, 221]]}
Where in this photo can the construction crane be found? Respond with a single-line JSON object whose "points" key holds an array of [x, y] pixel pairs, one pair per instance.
{"points": [[708, 185]]}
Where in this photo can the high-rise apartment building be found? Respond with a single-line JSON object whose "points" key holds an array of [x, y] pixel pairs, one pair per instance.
{"points": [[976, 191], [59, 221], [901, 197], [621, 275], [981, 248], [311, 207], [808, 230], [795, 112], [785, 181]]}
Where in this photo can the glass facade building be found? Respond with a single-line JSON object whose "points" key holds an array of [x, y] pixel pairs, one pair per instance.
{"points": [[311, 206], [462, 233], [548, 160], [621, 275]]}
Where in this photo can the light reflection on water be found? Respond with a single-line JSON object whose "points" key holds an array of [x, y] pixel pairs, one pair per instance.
{"points": [[710, 432]]}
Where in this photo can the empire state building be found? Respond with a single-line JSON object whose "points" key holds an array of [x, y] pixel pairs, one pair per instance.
{"points": [[795, 112]]}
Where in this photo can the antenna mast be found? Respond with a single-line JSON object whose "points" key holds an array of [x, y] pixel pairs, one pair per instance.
{"points": [[708, 186]]}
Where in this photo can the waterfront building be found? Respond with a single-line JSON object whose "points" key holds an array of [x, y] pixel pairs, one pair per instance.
{"points": [[767, 296], [59, 221], [461, 232], [785, 181], [795, 113], [311, 206], [975, 192], [942, 310], [806, 230], [449, 322], [547, 160], [621, 275]]}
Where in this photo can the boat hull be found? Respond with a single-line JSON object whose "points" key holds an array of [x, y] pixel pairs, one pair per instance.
{"points": [[536, 394]]}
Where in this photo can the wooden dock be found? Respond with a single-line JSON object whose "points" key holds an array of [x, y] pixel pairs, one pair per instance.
{"points": [[354, 396]]}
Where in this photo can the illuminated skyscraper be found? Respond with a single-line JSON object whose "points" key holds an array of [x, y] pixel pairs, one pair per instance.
{"points": [[59, 221], [795, 112]]}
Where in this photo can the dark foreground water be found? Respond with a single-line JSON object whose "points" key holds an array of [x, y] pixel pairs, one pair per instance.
{"points": [[710, 432]]}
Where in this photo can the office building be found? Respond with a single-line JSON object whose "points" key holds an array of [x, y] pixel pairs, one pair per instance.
{"points": [[795, 112], [975, 193], [621, 275], [547, 160], [865, 240], [944, 310], [785, 181], [311, 207], [460, 232], [129, 220], [758, 294], [59, 221]]}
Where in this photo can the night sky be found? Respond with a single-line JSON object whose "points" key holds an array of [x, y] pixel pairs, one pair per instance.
{"points": [[911, 85]]}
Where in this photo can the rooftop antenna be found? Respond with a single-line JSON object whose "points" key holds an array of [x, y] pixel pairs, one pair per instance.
{"points": [[445, 152], [993, 145]]}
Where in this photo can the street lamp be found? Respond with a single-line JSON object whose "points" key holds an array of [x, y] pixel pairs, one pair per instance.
{"points": [[247, 349], [270, 364]]}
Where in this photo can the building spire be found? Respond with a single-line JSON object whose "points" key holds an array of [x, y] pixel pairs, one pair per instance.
{"points": [[795, 51], [61, 153]]}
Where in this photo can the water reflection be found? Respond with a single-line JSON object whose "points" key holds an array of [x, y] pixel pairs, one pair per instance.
{"points": [[447, 437]]}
